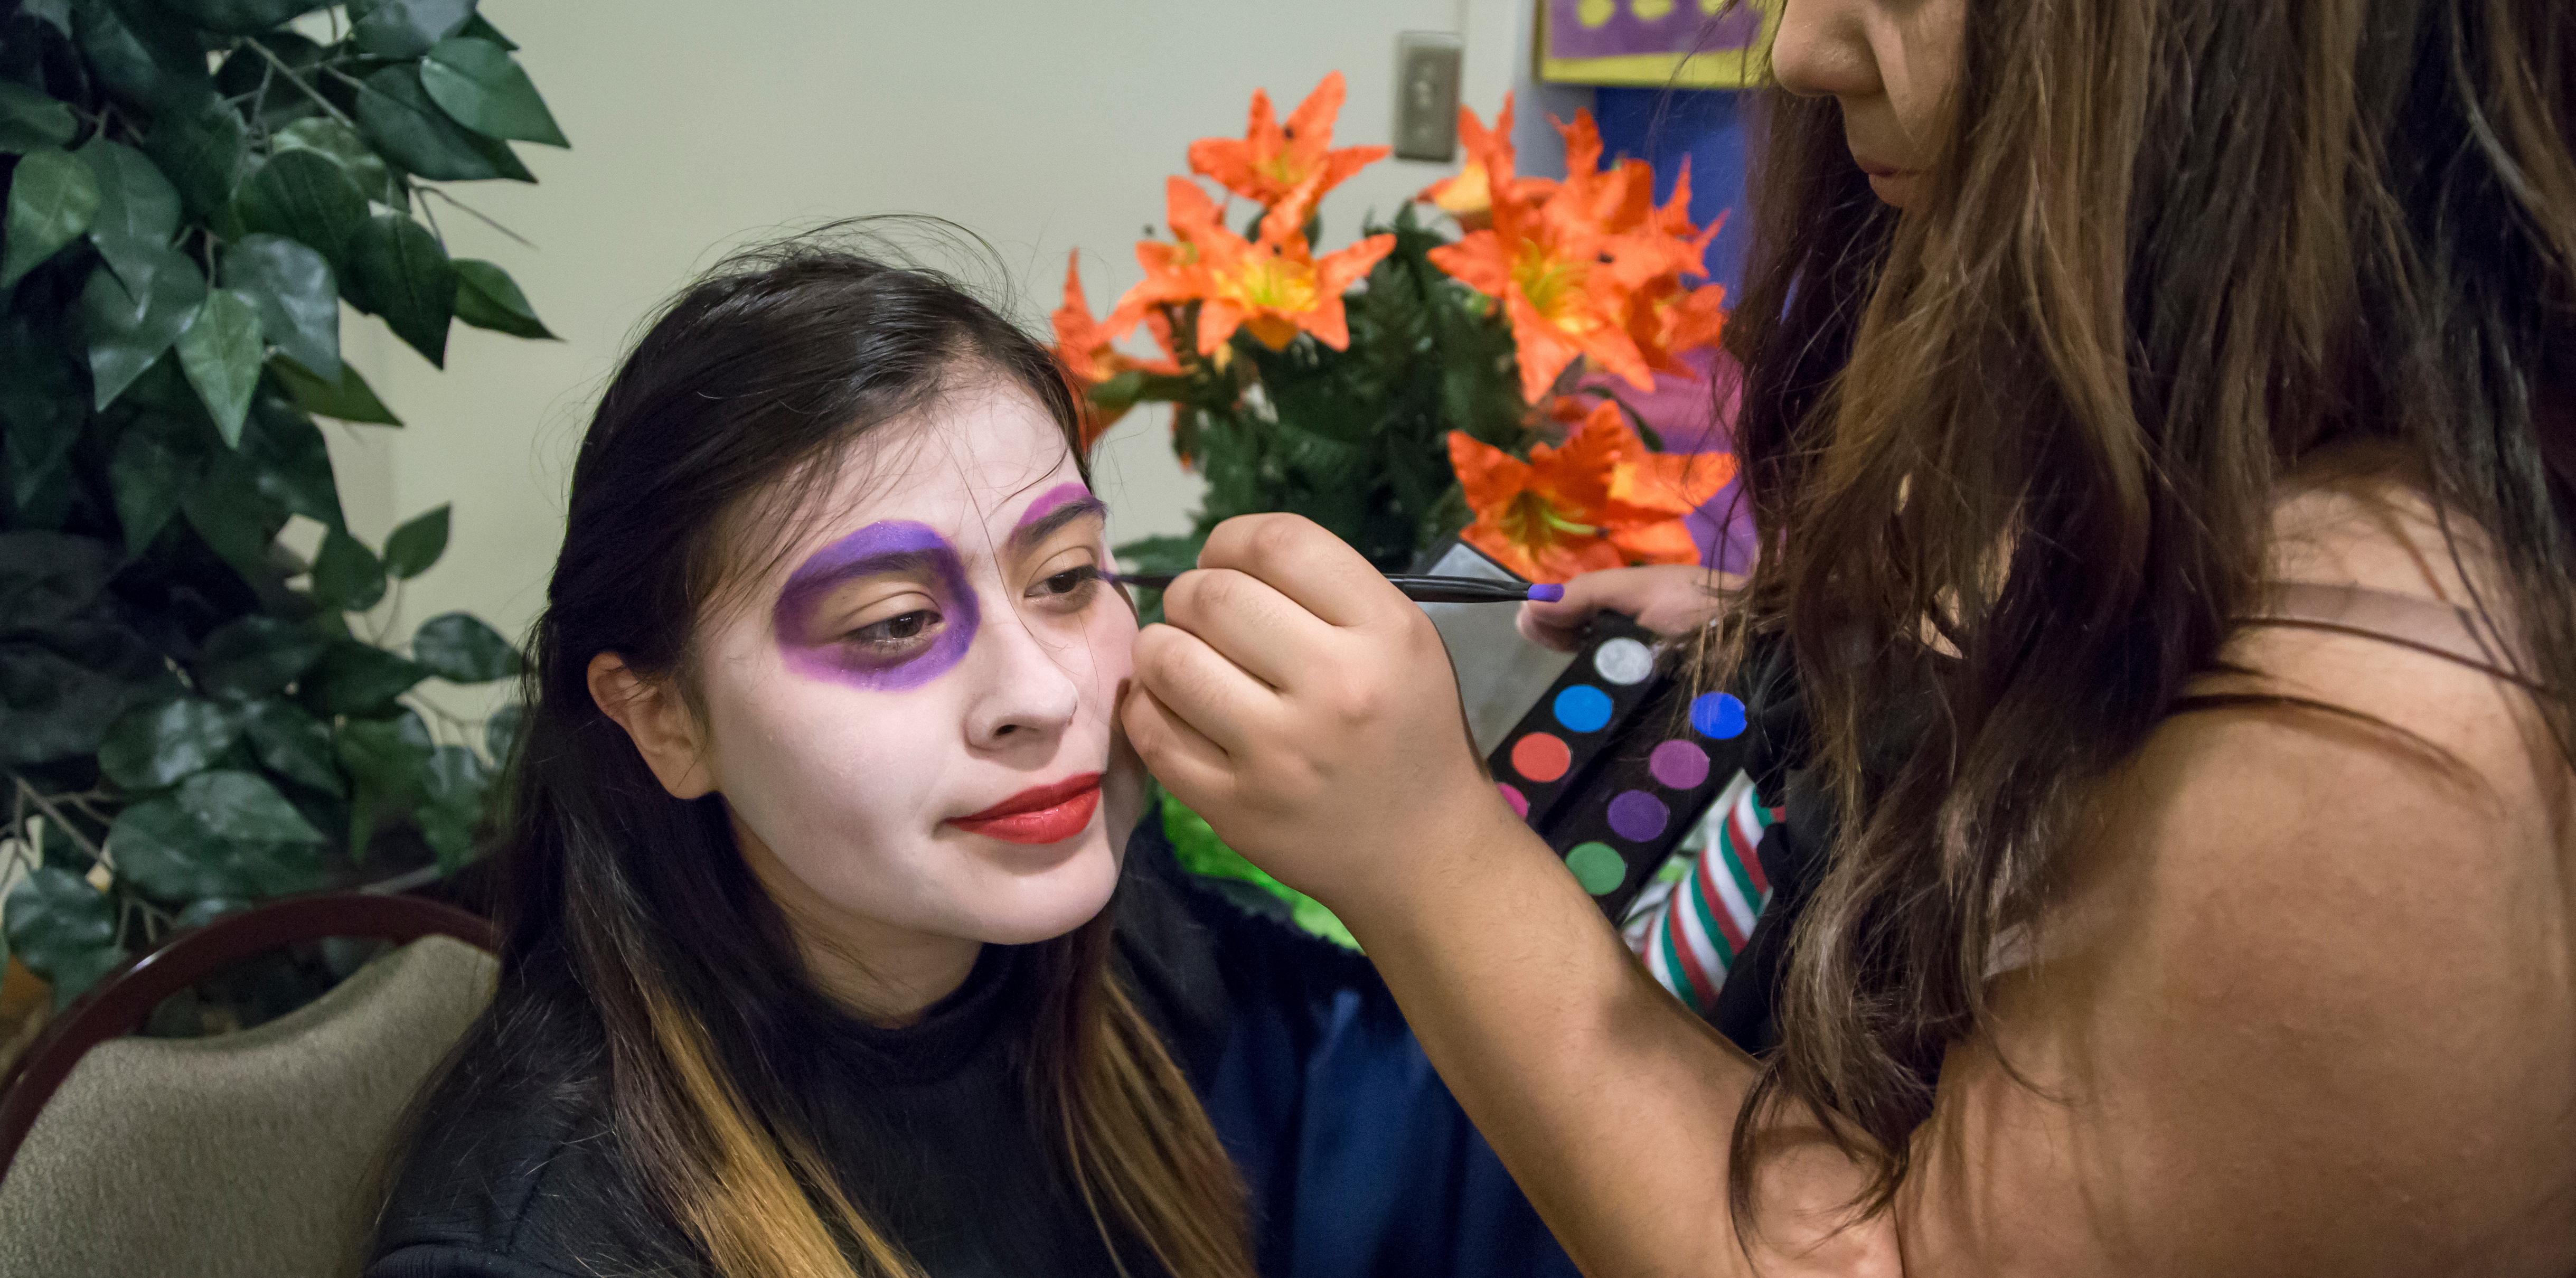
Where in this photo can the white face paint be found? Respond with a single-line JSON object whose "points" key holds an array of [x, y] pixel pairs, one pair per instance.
{"points": [[909, 714]]}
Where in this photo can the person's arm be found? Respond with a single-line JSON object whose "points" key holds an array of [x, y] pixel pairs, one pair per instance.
{"points": [[2303, 1008]]}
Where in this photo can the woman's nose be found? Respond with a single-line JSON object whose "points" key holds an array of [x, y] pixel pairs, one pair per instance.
{"points": [[1029, 692], [1822, 50]]}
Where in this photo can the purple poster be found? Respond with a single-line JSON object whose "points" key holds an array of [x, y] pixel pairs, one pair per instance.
{"points": [[1704, 44]]}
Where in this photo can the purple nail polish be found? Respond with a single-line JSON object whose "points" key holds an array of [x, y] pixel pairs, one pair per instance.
{"points": [[1546, 592]]}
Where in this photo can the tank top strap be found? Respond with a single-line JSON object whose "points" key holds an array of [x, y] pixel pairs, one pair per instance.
{"points": [[2425, 625]]}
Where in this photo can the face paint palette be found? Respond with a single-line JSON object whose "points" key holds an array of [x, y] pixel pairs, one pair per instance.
{"points": [[1615, 761]]}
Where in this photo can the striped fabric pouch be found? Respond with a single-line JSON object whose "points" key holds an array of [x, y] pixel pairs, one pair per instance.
{"points": [[1689, 927]]}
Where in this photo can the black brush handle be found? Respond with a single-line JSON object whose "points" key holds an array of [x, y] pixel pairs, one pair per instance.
{"points": [[1418, 589]]}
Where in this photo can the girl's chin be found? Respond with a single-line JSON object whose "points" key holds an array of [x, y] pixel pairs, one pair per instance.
{"points": [[1024, 909]]}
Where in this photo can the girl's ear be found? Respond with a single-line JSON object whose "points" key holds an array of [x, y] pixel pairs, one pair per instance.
{"points": [[658, 721]]}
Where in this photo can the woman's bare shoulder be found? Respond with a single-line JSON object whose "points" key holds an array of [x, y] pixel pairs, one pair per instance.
{"points": [[2307, 991]]}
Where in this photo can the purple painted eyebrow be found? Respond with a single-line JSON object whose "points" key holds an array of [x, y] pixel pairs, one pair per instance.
{"points": [[1053, 509]]}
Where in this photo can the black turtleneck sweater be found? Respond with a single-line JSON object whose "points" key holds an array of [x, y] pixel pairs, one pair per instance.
{"points": [[1358, 1161]]}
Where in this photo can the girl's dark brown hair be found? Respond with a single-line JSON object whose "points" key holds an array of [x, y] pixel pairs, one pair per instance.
{"points": [[758, 378], [2172, 251]]}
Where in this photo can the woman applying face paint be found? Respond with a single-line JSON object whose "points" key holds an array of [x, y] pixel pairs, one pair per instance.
{"points": [[826, 948], [2161, 425]]}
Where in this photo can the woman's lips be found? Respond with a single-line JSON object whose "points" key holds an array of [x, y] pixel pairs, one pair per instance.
{"points": [[1039, 814]]}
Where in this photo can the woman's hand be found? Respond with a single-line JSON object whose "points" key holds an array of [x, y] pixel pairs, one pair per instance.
{"points": [[1669, 599], [1306, 708]]}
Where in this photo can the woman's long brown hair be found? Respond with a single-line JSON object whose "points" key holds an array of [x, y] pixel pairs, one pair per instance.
{"points": [[734, 406], [2173, 250]]}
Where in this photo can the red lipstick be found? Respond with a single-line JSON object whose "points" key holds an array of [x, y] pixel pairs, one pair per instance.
{"points": [[1039, 814]]}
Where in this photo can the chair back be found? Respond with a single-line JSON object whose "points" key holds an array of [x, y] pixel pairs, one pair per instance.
{"points": [[250, 1153]]}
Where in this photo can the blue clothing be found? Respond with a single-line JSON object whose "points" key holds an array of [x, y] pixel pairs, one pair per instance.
{"points": [[1358, 1159]]}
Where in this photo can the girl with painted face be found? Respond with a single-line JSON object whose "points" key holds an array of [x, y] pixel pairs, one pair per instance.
{"points": [[811, 962]]}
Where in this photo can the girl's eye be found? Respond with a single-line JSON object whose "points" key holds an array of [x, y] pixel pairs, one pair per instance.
{"points": [[1068, 581], [895, 631]]}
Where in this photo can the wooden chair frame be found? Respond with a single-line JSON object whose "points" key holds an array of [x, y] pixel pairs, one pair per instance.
{"points": [[118, 1004]]}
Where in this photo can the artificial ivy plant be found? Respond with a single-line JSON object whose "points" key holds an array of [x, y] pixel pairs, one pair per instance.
{"points": [[193, 715]]}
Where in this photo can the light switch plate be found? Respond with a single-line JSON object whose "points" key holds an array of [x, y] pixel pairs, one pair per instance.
{"points": [[1426, 95]]}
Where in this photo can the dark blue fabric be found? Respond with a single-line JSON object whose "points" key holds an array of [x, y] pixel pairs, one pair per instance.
{"points": [[1359, 1161]]}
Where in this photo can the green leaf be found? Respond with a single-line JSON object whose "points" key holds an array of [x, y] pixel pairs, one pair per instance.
{"points": [[154, 746], [333, 140], [408, 28], [176, 853], [347, 398], [481, 88], [31, 121], [138, 213], [241, 17], [486, 297], [48, 578], [151, 470], [397, 115], [63, 929], [393, 753], [292, 744], [412, 548], [40, 406], [480, 28], [126, 332], [60, 689], [56, 13], [255, 656], [389, 760], [501, 732], [297, 297], [142, 56], [52, 197], [453, 789], [461, 649], [244, 806], [292, 461], [234, 517], [346, 576], [168, 853], [356, 678], [303, 195], [204, 153], [398, 271], [221, 350]]}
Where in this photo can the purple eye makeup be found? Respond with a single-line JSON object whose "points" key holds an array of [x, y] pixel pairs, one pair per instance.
{"points": [[889, 546]]}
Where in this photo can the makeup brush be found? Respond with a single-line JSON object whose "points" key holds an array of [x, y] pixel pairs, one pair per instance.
{"points": [[1417, 589]]}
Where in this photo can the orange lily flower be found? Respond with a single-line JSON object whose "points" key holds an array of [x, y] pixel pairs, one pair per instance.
{"points": [[1588, 267], [1173, 272], [1468, 194], [1665, 320], [1601, 500], [1085, 346], [1272, 288], [1545, 264], [1271, 163]]}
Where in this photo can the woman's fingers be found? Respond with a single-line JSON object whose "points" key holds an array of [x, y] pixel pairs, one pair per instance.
{"points": [[1669, 599], [1557, 625], [1312, 567], [1201, 688], [1186, 762], [1259, 629]]}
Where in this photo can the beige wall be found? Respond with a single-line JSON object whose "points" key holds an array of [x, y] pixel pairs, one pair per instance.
{"points": [[1044, 126]]}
